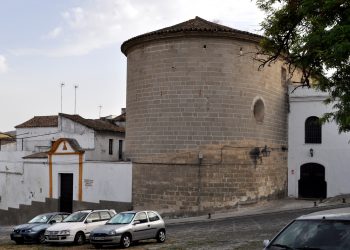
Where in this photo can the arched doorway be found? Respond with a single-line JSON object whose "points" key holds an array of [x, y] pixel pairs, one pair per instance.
{"points": [[312, 183]]}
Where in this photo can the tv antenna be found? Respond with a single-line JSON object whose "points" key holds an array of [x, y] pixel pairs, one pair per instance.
{"points": [[62, 85], [75, 98], [99, 112]]}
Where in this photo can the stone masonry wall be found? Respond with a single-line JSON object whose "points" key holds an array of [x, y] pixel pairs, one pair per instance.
{"points": [[194, 95], [187, 92], [228, 176]]}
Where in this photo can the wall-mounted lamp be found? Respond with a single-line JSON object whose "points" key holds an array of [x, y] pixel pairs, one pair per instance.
{"points": [[311, 152], [266, 151]]}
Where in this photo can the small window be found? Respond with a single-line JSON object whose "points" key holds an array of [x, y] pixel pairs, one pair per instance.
{"points": [[142, 217], [259, 111], [313, 130], [120, 151], [152, 216], [283, 76], [110, 146]]}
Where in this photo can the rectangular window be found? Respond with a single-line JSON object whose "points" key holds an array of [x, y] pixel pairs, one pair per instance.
{"points": [[120, 152], [283, 76], [110, 146]]}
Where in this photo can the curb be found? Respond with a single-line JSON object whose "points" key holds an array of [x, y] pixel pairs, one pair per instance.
{"points": [[189, 220]]}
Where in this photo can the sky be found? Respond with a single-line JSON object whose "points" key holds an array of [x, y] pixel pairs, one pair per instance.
{"points": [[77, 42]]}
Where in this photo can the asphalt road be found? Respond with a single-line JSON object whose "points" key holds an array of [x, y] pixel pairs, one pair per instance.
{"points": [[246, 232]]}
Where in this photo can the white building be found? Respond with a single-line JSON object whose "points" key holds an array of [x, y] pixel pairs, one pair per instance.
{"points": [[318, 156], [65, 163]]}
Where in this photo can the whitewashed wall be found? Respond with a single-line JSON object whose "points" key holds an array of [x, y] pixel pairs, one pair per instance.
{"points": [[34, 138], [22, 182], [101, 150], [110, 181], [70, 129], [333, 153], [25, 181]]}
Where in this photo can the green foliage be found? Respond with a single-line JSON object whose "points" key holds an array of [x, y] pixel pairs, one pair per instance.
{"points": [[314, 36]]}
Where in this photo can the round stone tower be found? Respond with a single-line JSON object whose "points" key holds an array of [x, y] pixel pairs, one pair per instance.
{"points": [[199, 114]]}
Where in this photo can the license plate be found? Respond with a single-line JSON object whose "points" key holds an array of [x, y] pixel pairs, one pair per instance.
{"points": [[53, 237], [98, 238], [17, 235]]}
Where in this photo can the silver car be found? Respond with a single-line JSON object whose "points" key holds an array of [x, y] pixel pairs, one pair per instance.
{"points": [[326, 230], [126, 227]]}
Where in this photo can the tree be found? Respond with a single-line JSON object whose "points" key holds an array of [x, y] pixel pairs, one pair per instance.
{"points": [[313, 36]]}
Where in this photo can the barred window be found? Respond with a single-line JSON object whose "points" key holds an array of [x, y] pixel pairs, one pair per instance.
{"points": [[313, 130]]}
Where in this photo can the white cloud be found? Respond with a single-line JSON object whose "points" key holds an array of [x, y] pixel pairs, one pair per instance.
{"points": [[3, 64], [104, 23], [54, 33]]}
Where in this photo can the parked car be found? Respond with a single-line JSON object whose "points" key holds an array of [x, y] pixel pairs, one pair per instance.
{"points": [[324, 230], [34, 230], [126, 227], [77, 227]]}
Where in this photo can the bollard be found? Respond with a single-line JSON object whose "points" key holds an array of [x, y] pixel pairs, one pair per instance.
{"points": [[209, 216]]}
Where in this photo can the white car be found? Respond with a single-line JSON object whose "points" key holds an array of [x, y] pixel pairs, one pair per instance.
{"points": [[77, 226]]}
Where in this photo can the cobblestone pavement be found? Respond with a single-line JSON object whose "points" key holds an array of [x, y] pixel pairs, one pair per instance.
{"points": [[244, 233]]}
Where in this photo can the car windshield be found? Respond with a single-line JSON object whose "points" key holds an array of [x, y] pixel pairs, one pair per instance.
{"points": [[43, 218], [76, 217], [314, 234], [122, 218]]}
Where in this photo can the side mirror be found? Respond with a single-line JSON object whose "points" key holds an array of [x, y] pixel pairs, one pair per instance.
{"points": [[266, 243], [136, 222], [52, 222], [88, 221]]}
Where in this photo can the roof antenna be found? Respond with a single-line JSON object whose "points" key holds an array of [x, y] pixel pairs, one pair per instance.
{"points": [[62, 84], [75, 98], [99, 113]]}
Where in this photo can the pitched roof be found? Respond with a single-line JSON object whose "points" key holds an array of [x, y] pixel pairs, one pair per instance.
{"points": [[73, 143], [196, 26], [40, 121], [120, 118], [95, 124], [52, 121]]}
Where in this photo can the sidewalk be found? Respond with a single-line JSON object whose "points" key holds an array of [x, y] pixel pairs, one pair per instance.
{"points": [[267, 207]]}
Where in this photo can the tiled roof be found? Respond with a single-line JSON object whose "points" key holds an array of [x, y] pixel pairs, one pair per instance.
{"points": [[40, 121], [95, 124], [193, 26], [52, 121], [120, 118], [73, 143]]}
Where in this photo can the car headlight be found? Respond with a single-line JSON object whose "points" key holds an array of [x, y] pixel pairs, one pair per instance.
{"points": [[64, 232], [112, 232]]}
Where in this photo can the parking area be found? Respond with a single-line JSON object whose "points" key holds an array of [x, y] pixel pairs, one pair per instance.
{"points": [[243, 233]]}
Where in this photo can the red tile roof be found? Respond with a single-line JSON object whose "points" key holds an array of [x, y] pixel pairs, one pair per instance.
{"points": [[40, 121], [52, 121], [120, 118], [95, 124], [196, 26]]}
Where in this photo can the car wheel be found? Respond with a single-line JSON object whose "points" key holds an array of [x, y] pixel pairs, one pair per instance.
{"points": [[161, 236], [97, 246], [125, 241], [79, 238], [41, 238]]}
